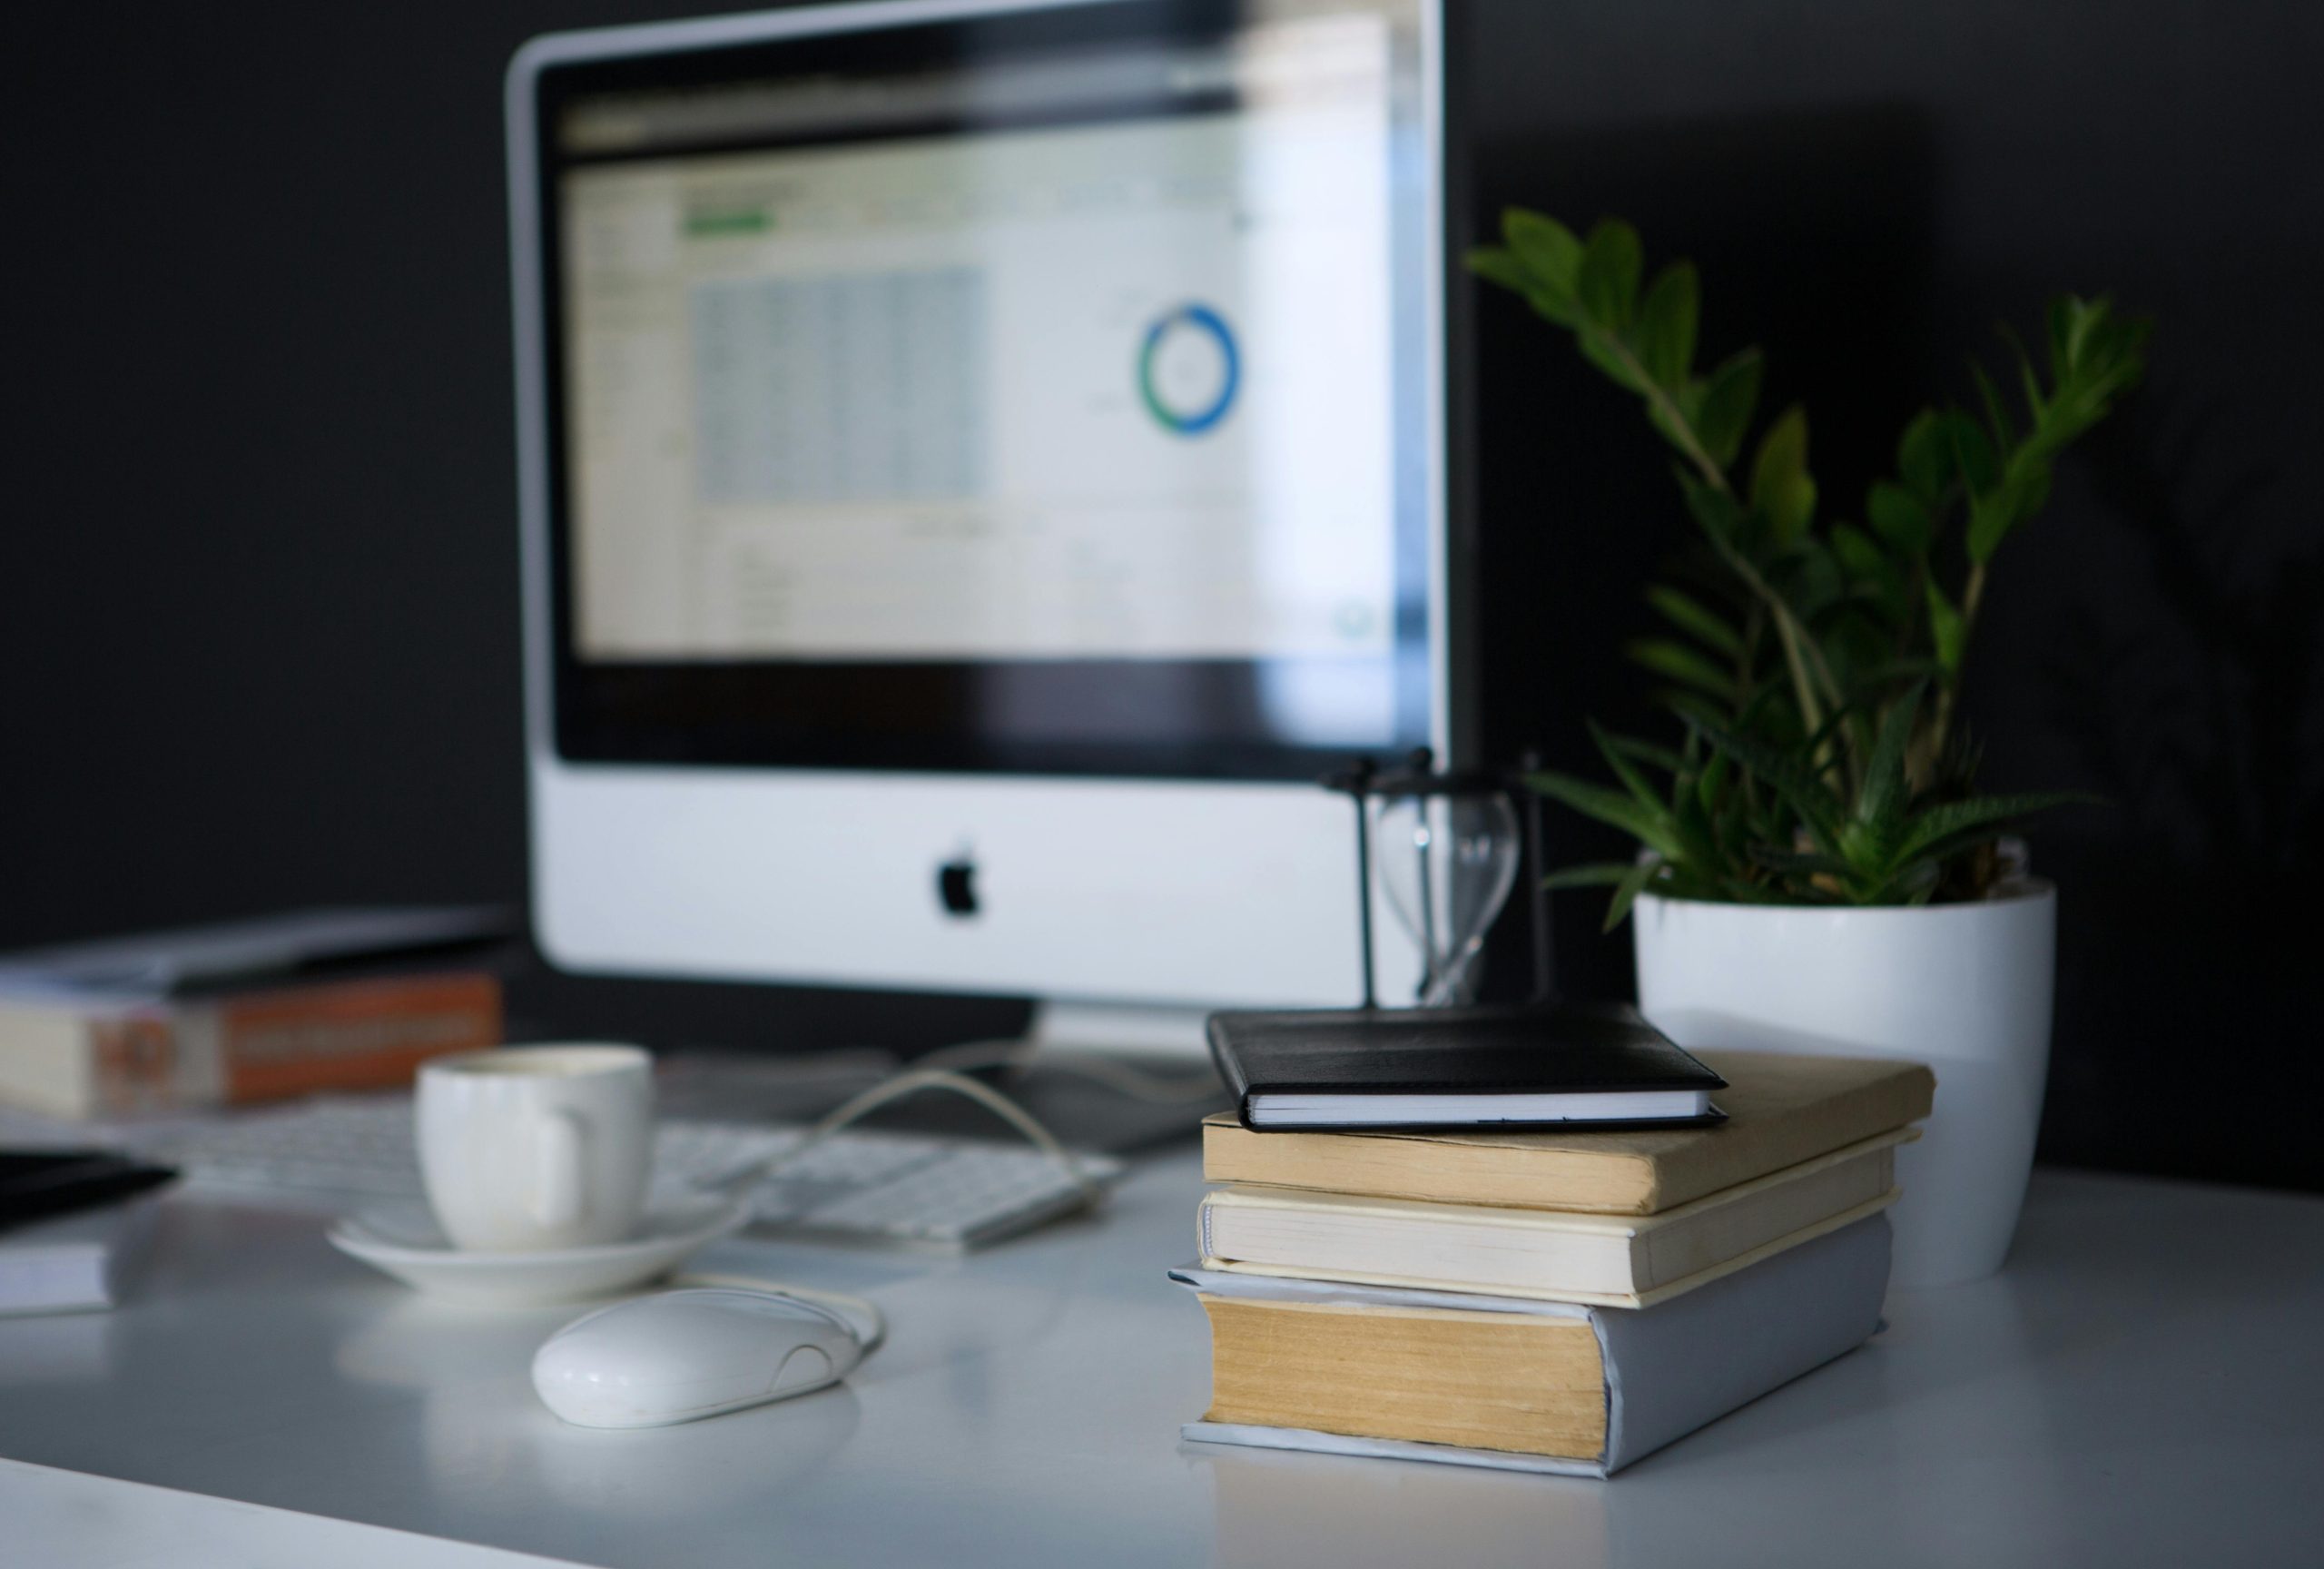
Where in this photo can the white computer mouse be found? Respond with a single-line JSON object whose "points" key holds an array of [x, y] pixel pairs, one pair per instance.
{"points": [[686, 1354]]}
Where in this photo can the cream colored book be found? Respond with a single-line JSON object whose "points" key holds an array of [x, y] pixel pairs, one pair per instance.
{"points": [[1781, 1109], [1611, 1260]]}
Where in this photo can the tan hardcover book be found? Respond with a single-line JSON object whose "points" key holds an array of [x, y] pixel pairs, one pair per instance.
{"points": [[1609, 1261], [1481, 1380], [1781, 1109], [94, 1059], [1523, 1385]]}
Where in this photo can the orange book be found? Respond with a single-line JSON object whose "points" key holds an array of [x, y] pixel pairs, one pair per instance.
{"points": [[82, 1058]]}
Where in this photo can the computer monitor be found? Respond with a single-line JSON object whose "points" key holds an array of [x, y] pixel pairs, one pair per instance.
{"points": [[982, 461]]}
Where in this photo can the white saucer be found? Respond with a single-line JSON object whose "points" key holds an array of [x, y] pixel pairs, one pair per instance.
{"points": [[408, 1244]]}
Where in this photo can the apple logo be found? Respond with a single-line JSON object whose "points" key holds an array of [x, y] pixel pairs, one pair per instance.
{"points": [[956, 886]]}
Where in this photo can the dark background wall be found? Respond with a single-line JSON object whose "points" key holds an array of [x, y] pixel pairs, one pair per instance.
{"points": [[257, 569]]}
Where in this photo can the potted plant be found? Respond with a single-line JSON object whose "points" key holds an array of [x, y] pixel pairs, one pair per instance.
{"points": [[1815, 871]]}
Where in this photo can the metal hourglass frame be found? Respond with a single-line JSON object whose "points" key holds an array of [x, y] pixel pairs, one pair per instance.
{"points": [[1364, 782]]}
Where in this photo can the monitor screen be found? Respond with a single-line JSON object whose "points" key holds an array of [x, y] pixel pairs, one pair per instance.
{"points": [[1039, 395]]}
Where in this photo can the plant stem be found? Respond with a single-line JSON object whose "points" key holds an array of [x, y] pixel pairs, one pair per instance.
{"points": [[1799, 648], [1972, 594], [1681, 431]]}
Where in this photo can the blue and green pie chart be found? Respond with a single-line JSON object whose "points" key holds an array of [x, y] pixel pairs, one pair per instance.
{"points": [[1188, 370]]}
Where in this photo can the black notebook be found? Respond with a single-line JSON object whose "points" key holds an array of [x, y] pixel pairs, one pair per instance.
{"points": [[1532, 1066]]}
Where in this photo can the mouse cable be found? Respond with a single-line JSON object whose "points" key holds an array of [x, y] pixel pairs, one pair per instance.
{"points": [[859, 1316], [1135, 1083], [912, 1082]]}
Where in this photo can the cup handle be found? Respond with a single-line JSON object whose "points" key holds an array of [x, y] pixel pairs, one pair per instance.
{"points": [[559, 1199]]}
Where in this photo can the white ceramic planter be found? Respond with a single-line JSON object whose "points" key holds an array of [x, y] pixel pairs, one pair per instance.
{"points": [[1964, 988]]}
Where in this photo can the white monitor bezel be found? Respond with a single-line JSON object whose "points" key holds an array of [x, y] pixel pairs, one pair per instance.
{"points": [[1163, 893]]}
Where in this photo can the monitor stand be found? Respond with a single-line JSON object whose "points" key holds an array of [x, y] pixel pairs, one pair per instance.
{"points": [[1173, 1034]]}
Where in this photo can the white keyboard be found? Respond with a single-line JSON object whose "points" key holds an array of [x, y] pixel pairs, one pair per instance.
{"points": [[860, 1185]]}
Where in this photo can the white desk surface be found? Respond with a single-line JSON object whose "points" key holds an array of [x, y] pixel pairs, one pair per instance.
{"points": [[2144, 1385]]}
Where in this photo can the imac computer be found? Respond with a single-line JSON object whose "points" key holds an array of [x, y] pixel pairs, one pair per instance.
{"points": [[982, 462]]}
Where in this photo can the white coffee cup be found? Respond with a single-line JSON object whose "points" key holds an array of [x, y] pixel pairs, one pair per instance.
{"points": [[531, 1148]]}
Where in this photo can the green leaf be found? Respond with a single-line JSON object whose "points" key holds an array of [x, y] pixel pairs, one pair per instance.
{"points": [[1546, 248], [1990, 517], [1801, 790], [1696, 831], [1712, 781], [2123, 362], [1499, 264], [1947, 630], [1607, 281], [2036, 405], [1626, 771], [1772, 700], [1922, 458], [1730, 395], [1900, 517], [1823, 760], [1973, 452], [1961, 823], [1693, 708], [1666, 330], [1652, 754], [1865, 563], [2076, 326], [2028, 383], [1677, 662], [1861, 629], [1866, 683], [1606, 351], [1589, 874], [1860, 557], [2058, 318], [1996, 416], [1672, 428], [1651, 828], [1782, 491], [1715, 511], [1626, 893], [1880, 805], [2033, 491], [1697, 619], [1814, 579]]}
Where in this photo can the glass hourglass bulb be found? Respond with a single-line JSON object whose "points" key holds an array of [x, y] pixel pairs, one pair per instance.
{"points": [[1447, 864]]}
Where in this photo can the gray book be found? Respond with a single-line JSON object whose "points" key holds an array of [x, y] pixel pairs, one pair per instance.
{"points": [[1668, 1369]]}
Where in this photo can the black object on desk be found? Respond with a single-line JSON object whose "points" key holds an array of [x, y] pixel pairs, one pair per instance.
{"points": [[37, 1184], [1535, 1065]]}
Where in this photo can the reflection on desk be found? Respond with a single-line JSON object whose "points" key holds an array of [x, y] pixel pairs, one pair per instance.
{"points": [[2140, 1387]]}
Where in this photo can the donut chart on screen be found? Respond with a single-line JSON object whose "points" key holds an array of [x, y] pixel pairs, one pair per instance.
{"points": [[1175, 408]]}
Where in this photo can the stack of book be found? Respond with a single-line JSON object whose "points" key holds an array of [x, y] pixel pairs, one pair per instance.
{"points": [[261, 1010], [1562, 1300]]}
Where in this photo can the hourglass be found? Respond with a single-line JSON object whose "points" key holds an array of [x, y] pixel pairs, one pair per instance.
{"points": [[1445, 850]]}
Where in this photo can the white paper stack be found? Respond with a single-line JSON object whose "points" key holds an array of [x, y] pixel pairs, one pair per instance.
{"points": [[75, 1263]]}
